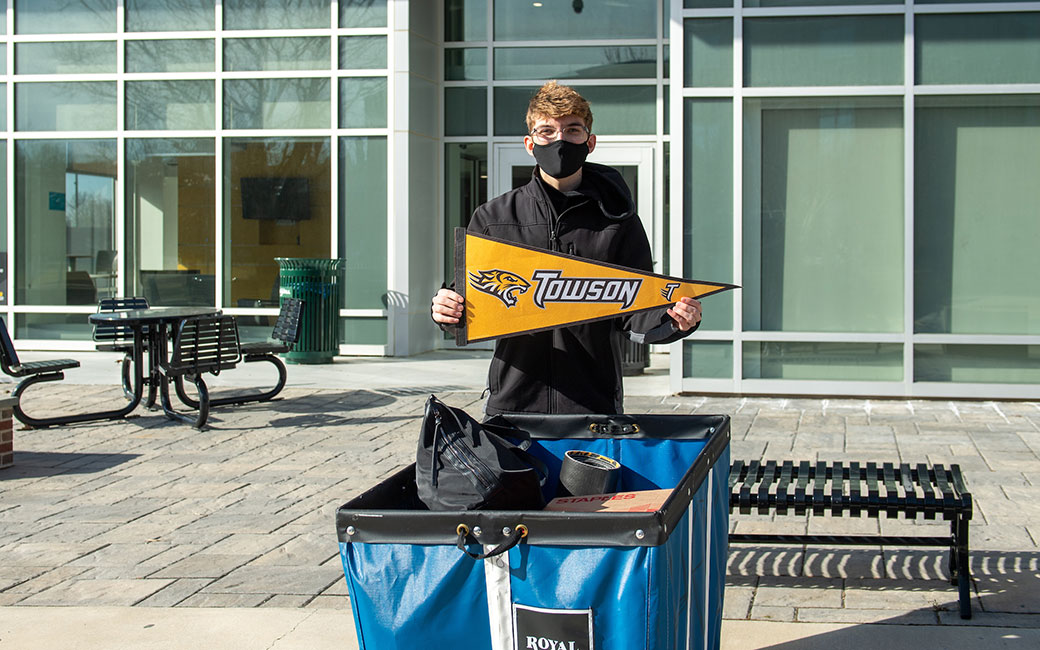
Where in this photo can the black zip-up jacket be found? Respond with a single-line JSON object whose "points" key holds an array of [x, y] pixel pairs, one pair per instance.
{"points": [[571, 369]]}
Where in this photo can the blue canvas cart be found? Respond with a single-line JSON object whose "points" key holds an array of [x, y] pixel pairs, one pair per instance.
{"points": [[573, 580]]}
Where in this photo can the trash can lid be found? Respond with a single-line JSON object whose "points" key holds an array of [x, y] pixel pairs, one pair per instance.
{"points": [[296, 263]]}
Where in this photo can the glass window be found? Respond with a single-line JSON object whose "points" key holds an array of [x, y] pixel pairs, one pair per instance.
{"points": [[250, 54], [622, 62], [708, 52], [257, 173], [362, 52], [465, 64], [823, 215], [174, 55], [711, 4], [73, 57], [64, 221], [4, 256], [3, 57], [465, 188], [52, 327], [823, 361], [708, 359], [465, 20], [64, 17], [363, 331], [276, 103], [73, 106], [362, 102], [465, 111], [936, 2], [977, 48], [985, 364], [823, 51], [617, 110], [3, 119], [815, 3], [362, 221], [362, 13], [708, 202], [275, 14], [547, 21], [170, 104], [169, 15], [977, 215], [171, 220]]}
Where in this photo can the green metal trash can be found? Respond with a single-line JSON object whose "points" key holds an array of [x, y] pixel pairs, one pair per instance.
{"points": [[316, 283]]}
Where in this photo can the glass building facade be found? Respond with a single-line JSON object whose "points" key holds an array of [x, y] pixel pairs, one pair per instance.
{"points": [[173, 148], [866, 171]]}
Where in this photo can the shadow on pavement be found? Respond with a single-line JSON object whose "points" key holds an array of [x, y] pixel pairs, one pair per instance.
{"points": [[1006, 584], [40, 464]]}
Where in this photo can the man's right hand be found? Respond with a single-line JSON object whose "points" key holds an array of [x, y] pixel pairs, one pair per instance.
{"points": [[447, 307]]}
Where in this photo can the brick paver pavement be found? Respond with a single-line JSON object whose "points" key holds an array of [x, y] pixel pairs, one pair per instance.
{"points": [[151, 513]]}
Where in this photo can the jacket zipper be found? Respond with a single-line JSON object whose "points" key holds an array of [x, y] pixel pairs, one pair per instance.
{"points": [[554, 245], [466, 461]]}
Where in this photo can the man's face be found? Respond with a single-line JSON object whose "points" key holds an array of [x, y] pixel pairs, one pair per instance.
{"points": [[559, 127]]}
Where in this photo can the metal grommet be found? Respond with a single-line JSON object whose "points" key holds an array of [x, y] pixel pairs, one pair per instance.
{"points": [[462, 530], [635, 428], [522, 529]]}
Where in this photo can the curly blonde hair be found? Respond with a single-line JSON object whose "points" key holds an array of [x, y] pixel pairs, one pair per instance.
{"points": [[554, 101]]}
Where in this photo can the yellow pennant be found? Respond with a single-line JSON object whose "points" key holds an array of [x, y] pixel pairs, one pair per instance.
{"points": [[515, 289]]}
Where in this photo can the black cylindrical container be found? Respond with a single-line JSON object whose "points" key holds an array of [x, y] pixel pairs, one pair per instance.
{"points": [[585, 472]]}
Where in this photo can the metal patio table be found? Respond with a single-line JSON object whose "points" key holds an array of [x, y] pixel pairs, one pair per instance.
{"points": [[150, 327]]}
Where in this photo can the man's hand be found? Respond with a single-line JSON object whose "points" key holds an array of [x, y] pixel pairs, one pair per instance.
{"points": [[447, 307], [686, 313]]}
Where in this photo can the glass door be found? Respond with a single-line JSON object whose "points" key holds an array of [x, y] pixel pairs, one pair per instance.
{"points": [[635, 162]]}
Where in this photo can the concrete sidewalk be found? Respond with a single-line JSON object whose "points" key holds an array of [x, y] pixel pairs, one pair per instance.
{"points": [[105, 628], [145, 533]]}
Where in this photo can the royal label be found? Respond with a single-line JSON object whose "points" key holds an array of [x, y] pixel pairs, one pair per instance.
{"points": [[537, 628]]}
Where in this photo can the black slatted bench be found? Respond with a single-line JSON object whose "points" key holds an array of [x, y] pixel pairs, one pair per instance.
{"points": [[203, 344], [284, 336], [34, 372], [119, 337], [821, 488]]}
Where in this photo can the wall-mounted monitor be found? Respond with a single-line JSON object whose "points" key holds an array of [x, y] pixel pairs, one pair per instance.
{"points": [[276, 198]]}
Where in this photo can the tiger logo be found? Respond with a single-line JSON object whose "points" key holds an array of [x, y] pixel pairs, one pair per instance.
{"points": [[503, 285]]}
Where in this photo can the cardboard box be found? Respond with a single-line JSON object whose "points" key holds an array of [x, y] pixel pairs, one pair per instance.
{"points": [[642, 501]]}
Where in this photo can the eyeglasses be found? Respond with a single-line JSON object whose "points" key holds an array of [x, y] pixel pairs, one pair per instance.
{"points": [[576, 133]]}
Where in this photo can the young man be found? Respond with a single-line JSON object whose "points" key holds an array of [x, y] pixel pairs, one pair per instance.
{"points": [[582, 209]]}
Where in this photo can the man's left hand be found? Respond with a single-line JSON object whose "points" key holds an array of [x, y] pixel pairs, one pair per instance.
{"points": [[686, 313]]}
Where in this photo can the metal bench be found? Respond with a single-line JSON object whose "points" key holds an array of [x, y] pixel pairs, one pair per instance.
{"points": [[118, 337], [34, 372], [204, 344], [285, 334], [820, 488]]}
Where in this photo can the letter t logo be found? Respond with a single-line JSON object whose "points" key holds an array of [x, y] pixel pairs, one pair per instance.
{"points": [[669, 289]]}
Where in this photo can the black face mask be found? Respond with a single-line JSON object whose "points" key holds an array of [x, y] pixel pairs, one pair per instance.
{"points": [[561, 159]]}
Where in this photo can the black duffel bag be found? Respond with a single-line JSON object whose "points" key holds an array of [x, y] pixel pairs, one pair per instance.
{"points": [[461, 464]]}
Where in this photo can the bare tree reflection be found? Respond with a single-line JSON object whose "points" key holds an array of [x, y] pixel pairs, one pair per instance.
{"points": [[169, 15], [287, 14], [291, 53], [77, 16], [274, 103]]}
